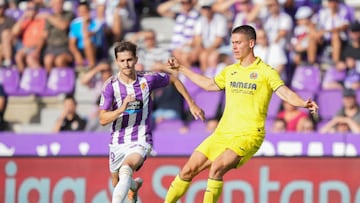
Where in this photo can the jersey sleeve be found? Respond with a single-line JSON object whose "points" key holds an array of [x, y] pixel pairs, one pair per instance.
{"points": [[160, 80], [220, 79], [274, 79], [106, 97]]}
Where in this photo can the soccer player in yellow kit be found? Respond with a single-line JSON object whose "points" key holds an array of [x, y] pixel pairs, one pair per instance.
{"points": [[248, 86]]}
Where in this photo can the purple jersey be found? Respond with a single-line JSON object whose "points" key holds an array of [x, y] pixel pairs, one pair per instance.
{"points": [[134, 124]]}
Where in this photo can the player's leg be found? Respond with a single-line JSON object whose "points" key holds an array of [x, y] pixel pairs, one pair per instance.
{"points": [[221, 165], [238, 150], [196, 163], [130, 164]]}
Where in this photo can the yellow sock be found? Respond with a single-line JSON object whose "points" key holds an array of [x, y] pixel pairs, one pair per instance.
{"points": [[213, 190], [176, 190]]}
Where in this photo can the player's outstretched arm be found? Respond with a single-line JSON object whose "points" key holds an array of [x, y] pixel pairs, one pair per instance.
{"points": [[202, 81], [195, 110], [294, 99]]}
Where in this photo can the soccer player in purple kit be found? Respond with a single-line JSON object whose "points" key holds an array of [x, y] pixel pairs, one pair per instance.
{"points": [[126, 103]]}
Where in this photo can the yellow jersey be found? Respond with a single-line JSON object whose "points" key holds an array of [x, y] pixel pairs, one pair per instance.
{"points": [[248, 92]]}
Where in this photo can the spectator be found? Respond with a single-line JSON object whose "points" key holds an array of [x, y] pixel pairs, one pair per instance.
{"points": [[121, 18], [307, 126], [95, 77], [57, 53], [238, 12], [271, 53], [347, 119], [151, 56], [278, 25], [278, 126], [334, 77], [351, 57], [246, 15], [3, 103], [93, 121], [210, 34], [350, 107], [329, 30], [293, 117], [340, 124], [182, 39], [69, 120], [6, 24], [30, 29], [346, 72], [86, 37], [168, 105], [300, 35]]}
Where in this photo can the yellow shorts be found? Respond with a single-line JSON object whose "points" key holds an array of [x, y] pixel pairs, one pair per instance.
{"points": [[243, 145]]}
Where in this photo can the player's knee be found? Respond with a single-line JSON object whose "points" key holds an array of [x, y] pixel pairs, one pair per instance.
{"points": [[125, 170], [114, 181], [217, 171], [187, 173]]}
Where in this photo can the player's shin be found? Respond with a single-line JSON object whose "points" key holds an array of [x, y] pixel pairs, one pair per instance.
{"points": [[176, 190], [213, 190], [121, 189]]}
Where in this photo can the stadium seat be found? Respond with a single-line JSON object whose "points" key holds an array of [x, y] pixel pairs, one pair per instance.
{"points": [[14, 13], [209, 102], [274, 106], [333, 75], [306, 78], [269, 124], [60, 80], [306, 94], [33, 81], [163, 27], [10, 78], [168, 127], [329, 101], [191, 87]]}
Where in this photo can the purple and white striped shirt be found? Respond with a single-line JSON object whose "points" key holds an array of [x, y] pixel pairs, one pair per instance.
{"points": [[134, 124], [184, 29]]}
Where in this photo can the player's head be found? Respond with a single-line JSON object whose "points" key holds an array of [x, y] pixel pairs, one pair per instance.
{"points": [[125, 57], [125, 46], [243, 41], [247, 30]]}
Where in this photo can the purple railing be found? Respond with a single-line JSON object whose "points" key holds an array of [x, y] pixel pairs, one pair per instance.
{"points": [[173, 144]]}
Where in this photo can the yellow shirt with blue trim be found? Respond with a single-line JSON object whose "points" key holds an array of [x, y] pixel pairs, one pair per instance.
{"points": [[248, 92]]}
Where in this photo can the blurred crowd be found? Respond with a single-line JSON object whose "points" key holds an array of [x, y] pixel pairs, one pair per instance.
{"points": [[291, 34]]}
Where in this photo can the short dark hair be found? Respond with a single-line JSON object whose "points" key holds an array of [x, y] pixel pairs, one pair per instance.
{"points": [[84, 3], [125, 46], [70, 97], [248, 30]]}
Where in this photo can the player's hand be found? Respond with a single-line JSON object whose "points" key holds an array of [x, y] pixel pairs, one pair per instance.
{"points": [[197, 112], [313, 108], [173, 63], [129, 98]]}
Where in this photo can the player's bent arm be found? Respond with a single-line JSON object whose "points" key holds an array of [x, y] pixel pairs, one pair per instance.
{"points": [[202, 81], [107, 116], [195, 109], [181, 89]]}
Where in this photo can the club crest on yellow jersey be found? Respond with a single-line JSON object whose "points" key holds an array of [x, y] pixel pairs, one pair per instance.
{"points": [[253, 75]]}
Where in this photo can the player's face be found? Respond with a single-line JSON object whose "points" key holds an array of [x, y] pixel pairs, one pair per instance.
{"points": [[241, 45], [126, 62]]}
